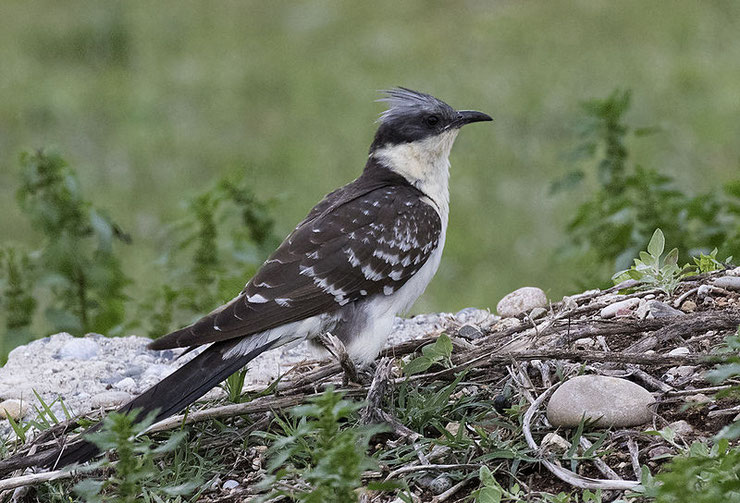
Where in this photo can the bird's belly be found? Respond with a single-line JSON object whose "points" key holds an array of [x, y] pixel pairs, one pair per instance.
{"points": [[367, 329]]}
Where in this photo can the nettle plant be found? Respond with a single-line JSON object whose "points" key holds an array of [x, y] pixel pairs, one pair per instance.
{"points": [[630, 201]]}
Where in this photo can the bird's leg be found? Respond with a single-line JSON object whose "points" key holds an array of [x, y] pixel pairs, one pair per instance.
{"points": [[336, 348]]}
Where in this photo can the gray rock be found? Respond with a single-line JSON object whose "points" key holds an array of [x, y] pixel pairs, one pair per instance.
{"points": [[470, 332], [728, 282], [657, 309], [111, 398], [621, 308], [521, 301], [79, 349], [609, 401], [681, 428], [230, 484]]}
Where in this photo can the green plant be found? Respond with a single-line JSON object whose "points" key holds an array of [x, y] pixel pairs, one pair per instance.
{"points": [[16, 297], [76, 261], [653, 271], [630, 201], [438, 352], [134, 469], [709, 263], [223, 237], [322, 450]]}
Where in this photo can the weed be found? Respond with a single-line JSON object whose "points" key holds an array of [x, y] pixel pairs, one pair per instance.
{"points": [[654, 271], [134, 470], [631, 201], [438, 352], [321, 450]]}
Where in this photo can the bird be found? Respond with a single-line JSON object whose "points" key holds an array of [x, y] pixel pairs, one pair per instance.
{"points": [[361, 256]]}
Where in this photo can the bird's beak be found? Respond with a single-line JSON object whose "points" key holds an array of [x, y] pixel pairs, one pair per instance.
{"points": [[468, 117]]}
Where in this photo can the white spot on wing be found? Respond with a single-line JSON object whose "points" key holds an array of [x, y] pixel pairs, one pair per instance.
{"points": [[387, 290], [282, 302], [371, 274], [256, 299]]}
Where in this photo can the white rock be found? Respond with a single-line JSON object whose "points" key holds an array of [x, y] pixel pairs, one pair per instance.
{"points": [[13, 408], [555, 442], [78, 349], [681, 427], [608, 401], [521, 301], [699, 398], [728, 282], [734, 272], [621, 308], [126, 384], [679, 351], [110, 399], [230, 484], [586, 343]]}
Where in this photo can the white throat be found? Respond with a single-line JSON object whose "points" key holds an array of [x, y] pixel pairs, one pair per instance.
{"points": [[425, 164]]}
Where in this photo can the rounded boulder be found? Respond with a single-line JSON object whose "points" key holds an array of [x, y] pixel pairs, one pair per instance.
{"points": [[606, 401]]}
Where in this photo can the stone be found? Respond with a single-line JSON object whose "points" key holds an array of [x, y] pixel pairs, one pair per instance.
{"points": [[586, 344], [699, 398], [108, 399], [608, 401], [658, 309], [680, 372], [16, 409], [555, 443], [230, 484], [660, 452], [734, 272], [728, 282], [681, 428], [126, 384], [688, 306], [537, 312], [521, 301], [78, 349], [469, 332], [679, 351], [621, 308]]}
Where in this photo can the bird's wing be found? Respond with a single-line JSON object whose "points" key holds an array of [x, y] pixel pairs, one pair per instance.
{"points": [[353, 245]]}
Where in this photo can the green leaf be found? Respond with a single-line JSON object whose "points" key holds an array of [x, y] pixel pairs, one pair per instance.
{"points": [[657, 243], [418, 365], [489, 495]]}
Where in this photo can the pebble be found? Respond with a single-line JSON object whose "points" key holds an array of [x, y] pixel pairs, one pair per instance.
{"points": [[230, 484], [689, 306], [586, 343], [621, 308], [680, 372], [537, 312], [728, 282], [681, 427], [521, 301], [126, 384], [658, 309], [78, 349], [469, 332], [699, 398], [555, 443], [609, 401], [662, 451], [679, 351], [734, 272], [109, 399], [13, 408]]}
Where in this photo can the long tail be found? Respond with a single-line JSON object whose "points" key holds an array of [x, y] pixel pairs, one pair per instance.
{"points": [[169, 396]]}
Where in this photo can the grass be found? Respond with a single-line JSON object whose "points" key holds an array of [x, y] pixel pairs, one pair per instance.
{"points": [[152, 102]]}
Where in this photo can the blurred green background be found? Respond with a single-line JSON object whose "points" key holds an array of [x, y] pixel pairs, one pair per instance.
{"points": [[152, 101]]}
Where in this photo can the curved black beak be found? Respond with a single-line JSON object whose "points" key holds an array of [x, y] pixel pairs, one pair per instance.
{"points": [[468, 117]]}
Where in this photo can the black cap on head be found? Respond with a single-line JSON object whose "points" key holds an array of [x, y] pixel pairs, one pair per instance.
{"points": [[412, 116]]}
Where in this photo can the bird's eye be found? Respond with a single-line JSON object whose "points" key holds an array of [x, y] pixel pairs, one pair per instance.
{"points": [[432, 120]]}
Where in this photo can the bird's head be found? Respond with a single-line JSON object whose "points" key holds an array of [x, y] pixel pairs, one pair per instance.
{"points": [[416, 133]]}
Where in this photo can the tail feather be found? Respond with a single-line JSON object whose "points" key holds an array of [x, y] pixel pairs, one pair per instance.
{"points": [[169, 396]]}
